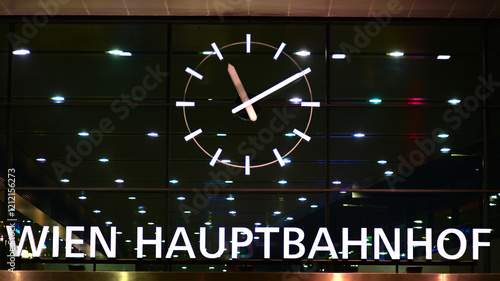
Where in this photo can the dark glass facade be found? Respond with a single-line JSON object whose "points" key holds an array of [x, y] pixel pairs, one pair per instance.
{"points": [[398, 142]]}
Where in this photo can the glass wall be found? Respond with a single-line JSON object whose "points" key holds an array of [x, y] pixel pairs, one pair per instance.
{"points": [[388, 142]]}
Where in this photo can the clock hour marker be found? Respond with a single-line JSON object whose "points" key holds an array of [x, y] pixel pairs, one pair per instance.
{"points": [[247, 165], [217, 51], [280, 49], [184, 103], [193, 134], [302, 135], [194, 73], [216, 156], [249, 36], [310, 103], [278, 156]]}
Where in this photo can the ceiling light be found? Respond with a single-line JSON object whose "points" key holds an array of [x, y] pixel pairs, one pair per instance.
{"points": [[290, 134], [153, 134], [282, 182], [449, 217], [222, 135], [443, 136], [336, 182], [97, 211], [119, 232], [418, 227], [295, 100], [396, 54], [257, 224], [418, 221], [232, 212], [119, 181], [181, 198], [343, 191], [208, 53], [225, 161], [230, 198], [151, 223], [454, 101], [41, 160], [208, 223], [302, 199], [382, 162], [314, 206], [174, 181], [359, 135], [289, 218], [388, 173], [58, 99], [187, 212], [104, 160], [287, 160], [375, 101], [338, 56], [109, 222], [277, 212], [120, 53], [228, 181], [184, 267], [83, 134], [443, 57], [132, 198], [303, 53], [445, 150], [21, 52], [142, 211], [65, 180], [115, 52], [82, 197]]}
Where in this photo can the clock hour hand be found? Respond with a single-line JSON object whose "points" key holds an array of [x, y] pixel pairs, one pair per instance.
{"points": [[241, 91], [271, 90]]}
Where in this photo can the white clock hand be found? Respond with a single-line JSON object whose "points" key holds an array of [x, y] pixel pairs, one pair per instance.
{"points": [[271, 90], [241, 91]]}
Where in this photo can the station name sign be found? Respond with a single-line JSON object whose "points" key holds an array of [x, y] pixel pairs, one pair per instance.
{"points": [[292, 242]]}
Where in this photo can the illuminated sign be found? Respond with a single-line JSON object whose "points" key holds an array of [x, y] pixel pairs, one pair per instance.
{"points": [[293, 246]]}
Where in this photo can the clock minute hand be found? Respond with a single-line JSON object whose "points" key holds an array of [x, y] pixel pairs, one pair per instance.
{"points": [[241, 91], [271, 90]]}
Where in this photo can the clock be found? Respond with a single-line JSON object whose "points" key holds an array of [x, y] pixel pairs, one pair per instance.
{"points": [[247, 105]]}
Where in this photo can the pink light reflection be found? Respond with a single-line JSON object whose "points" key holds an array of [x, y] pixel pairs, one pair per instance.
{"points": [[416, 101]]}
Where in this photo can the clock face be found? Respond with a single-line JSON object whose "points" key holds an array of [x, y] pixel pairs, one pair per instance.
{"points": [[247, 105]]}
